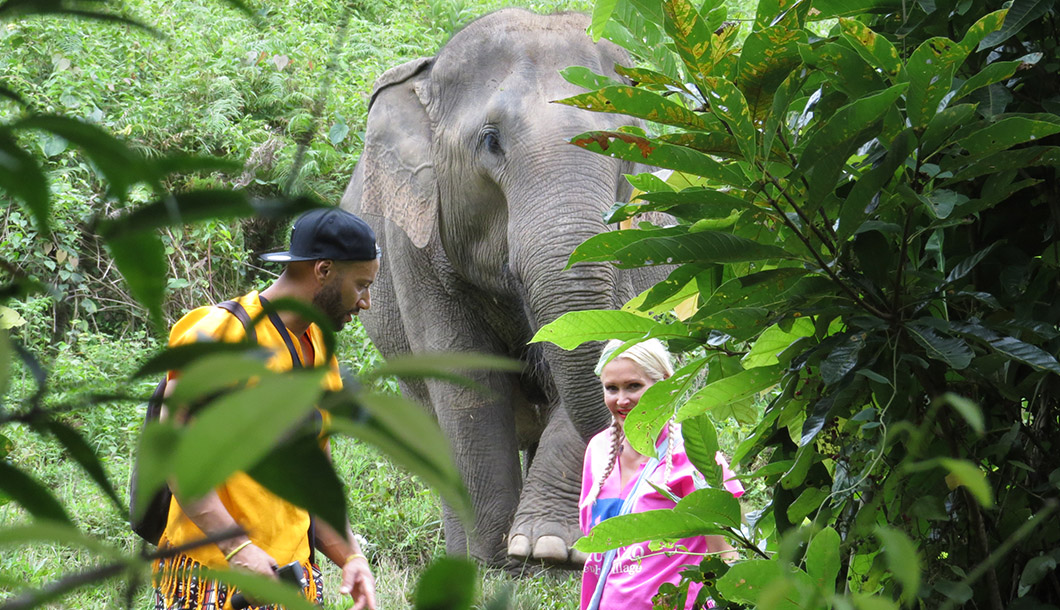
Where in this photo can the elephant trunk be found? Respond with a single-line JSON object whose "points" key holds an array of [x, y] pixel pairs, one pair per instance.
{"points": [[551, 290]]}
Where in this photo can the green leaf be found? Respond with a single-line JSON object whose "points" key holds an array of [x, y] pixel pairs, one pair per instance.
{"points": [[902, 560], [448, 366], [1027, 156], [1007, 133], [992, 73], [141, 258], [300, 472], [22, 178], [930, 69], [842, 359], [844, 68], [1021, 13], [1036, 569], [963, 268], [214, 373], [180, 357], [584, 77], [575, 328], [828, 9], [83, 454], [981, 29], [632, 101], [822, 560], [448, 583], [702, 247], [851, 126], [408, 435], [660, 154], [759, 580], [1026, 353], [775, 340], [808, 502], [253, 419], [942, 126], [691, 37], [7, 356], [764, 288], [712, 506], [785, 13], [873, 48], [954, 352], [602, 11], [967, 474], [656, 406], [701, 446], [730, 389], [30, 494], [602, 247], [858, 204], [728, 103], [52, 532], [767, 58], [968, 409]]}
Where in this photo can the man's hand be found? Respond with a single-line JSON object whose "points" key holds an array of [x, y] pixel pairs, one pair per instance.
{"points": [[253, 559], [358, 583]]}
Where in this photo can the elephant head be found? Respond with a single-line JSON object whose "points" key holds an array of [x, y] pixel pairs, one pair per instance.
{"points": [[467, 156]]}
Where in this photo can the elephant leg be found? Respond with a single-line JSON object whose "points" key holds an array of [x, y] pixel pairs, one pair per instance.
{"points": [[481, 431], [546, 521]]}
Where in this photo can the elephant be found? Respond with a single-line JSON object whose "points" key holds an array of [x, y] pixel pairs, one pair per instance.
{"points": [[478, 199]]}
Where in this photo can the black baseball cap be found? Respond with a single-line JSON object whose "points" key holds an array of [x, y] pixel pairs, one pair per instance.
{"points": [[331, 233]]}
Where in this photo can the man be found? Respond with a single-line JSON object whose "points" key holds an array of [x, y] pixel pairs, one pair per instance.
{"points": [[331, 263]]}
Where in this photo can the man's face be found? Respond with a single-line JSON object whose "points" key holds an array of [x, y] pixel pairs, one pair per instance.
{"points": [[345, 291]]}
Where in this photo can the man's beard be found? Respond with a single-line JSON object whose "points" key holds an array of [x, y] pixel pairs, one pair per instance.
{"points": [[329, 302]]}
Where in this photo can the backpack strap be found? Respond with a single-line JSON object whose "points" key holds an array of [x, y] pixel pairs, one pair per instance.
{"points": [[237, 310]]}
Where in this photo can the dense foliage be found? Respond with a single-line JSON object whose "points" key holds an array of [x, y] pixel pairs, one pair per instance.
{"points": [[867, 232]]}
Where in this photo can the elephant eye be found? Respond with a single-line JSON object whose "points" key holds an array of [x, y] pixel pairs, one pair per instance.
{"points": [[491, 140]]}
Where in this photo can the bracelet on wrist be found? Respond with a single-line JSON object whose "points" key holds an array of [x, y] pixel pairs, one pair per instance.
{"points": [[353, 556], [233, 552]]}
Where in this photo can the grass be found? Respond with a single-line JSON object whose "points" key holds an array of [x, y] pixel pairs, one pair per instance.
{"points": [[399, 517]]}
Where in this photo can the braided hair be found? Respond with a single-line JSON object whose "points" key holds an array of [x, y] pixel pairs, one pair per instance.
{"points": [[653, 358]]}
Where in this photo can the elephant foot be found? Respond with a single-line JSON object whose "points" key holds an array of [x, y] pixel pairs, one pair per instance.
{"points": [[548, 549], [519, 547]]}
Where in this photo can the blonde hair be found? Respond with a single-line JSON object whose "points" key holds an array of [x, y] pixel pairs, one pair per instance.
{"points": [[654, 359]]}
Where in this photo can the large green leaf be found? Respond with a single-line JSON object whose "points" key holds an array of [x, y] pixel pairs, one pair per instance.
{"points": [[930, 69], [858, 205], [1021, 351], [902, 559], [874, 48], [790, 14], [30, 494], [951, 350], [728, 103], [701, 512], [656, 406], [943, 125], [252, 420], [774, 340], [844, 67], [730, 389], [195, 206], [214, 373], [636, 102], [408, 435], [701, 446], [766, 59], [992, 73], [829, 9], [22, 178], [703, 247], [1006, 133], [449, 583], [298, 471], [449, 366], [832, 145], [691, 37], [761, 289], [602, 11], [141, 258], [639, 149], [154, 462], [53, 532], [823, 561], [1027, 156], [1017, 17], [575, 328], [807, 503], [758, 580], [843, 358], [602, 247], [981, 29]]}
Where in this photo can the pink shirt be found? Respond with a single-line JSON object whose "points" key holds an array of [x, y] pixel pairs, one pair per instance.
{"points": [[637, 572]]}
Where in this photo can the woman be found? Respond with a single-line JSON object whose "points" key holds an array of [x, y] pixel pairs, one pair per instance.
{"points": [[614, 473]]}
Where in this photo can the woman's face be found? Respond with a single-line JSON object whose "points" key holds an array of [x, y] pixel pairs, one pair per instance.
{"points": [[624, 381]]}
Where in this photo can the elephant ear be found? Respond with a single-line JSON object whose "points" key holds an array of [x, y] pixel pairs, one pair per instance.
{"points": [[396, 171]]}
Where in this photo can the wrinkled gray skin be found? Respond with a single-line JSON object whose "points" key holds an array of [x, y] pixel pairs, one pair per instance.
{"points": [[478, 199]]}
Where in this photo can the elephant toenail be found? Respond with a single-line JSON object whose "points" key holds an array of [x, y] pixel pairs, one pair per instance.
{"points": [[552, 549], [519, 546]]}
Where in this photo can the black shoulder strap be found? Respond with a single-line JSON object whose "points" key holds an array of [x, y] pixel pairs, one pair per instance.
{"points": [[296, 360], [237, 310]]}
